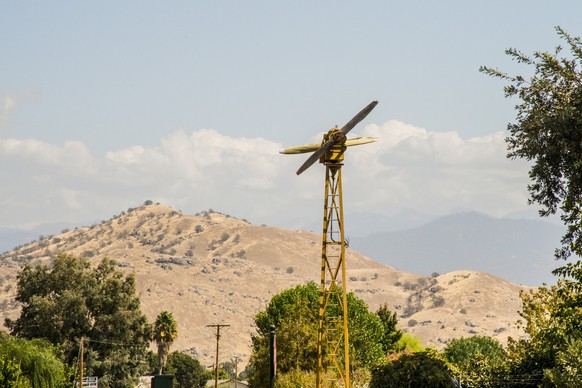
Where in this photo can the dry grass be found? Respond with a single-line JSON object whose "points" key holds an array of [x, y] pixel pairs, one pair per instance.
{"points": [[211, 268]]}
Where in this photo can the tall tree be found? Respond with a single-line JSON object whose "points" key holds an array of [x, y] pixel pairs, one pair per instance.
{"points": [[69, 300], [392, 334], [165, 332], [294, 313], [548, 132]]}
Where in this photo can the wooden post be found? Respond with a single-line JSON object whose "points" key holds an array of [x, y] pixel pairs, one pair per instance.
{"points": [[218, 326], [81, 366]]}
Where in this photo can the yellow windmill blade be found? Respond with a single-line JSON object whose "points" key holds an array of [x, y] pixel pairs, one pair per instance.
{"points": [[303, 149], [360, 140]]}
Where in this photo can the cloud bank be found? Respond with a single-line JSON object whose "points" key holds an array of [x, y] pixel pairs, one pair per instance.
{"points": [[409, 168]]}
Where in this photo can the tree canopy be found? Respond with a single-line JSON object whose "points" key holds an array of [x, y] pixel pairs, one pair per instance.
{"points": [[69, 300], [476, 360], [548, 132], [294, 313]]}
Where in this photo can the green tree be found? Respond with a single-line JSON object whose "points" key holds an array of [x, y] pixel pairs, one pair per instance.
{"points": [[392, 334], [35, 363], [165, 332], [294, 312], [477, 360], [70, 300], [422, 369], [366, 334], [188, 371], [548, 132]]}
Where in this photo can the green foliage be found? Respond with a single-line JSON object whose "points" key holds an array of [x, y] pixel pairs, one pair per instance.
{"points": [[568, 370], [552, 316], [33, 363], [70, 300], [476, 360], [294, 312], [165, 332], [296, 378], [422, 369], [462, 352], [392, 334], [10, 374], [366, 333], [548, 132], [408, 343], [187, 371]]}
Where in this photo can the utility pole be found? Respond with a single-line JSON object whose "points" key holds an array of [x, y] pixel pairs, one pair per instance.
{"points": [[273, 357], [81, 366], [218, 326], [235, 371]]}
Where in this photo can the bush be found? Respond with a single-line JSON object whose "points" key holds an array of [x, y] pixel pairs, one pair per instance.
{"points": [[188, 372], [37, 360], [438, 301], [422, 369]]}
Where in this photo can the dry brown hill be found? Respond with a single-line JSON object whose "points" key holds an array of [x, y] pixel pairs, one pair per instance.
{"points": [[211, 268]]}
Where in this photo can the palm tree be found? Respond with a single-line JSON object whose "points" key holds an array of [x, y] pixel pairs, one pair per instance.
{"points": [[165, 332]]}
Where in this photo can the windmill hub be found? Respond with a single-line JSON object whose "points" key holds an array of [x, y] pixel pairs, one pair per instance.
{"points": [[335, 155]]}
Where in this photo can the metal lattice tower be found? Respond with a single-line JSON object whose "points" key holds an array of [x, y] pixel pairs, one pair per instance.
{"points": [[333, 337], [333, 306]]}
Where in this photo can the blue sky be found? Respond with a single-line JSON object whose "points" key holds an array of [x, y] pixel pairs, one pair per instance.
{"points": [[107, 104]]}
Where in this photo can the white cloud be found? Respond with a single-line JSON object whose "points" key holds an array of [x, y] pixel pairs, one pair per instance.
{"points": [[439, 171], [408, 168]]}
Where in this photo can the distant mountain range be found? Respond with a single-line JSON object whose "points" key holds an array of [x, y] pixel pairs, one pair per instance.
{"points": [[517, 250], [13, 237]]}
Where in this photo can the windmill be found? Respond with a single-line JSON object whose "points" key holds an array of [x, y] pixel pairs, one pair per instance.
{"points": [[333, 308]]}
